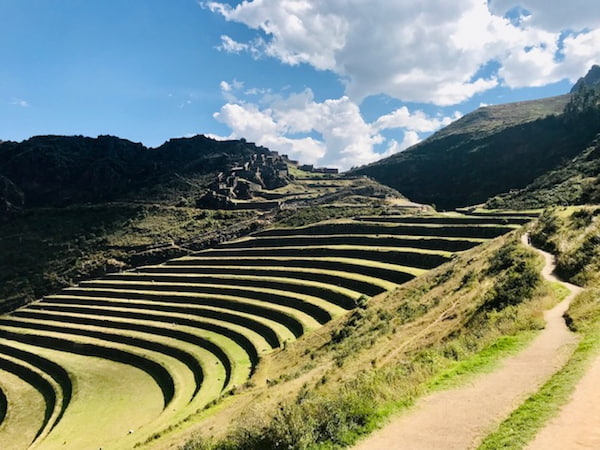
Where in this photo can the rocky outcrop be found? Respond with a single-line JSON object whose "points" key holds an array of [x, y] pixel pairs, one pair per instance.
{"points": [[11, 198], [590, 80], [64, 170]]}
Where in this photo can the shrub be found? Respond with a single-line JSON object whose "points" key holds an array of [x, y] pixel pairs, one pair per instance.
{"points": [[547, 226], [310, 420], [572, 264], [584, 312], [516, 277]]}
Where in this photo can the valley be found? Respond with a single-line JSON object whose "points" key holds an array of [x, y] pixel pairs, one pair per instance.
{"points": [[218, 295], [197, 327]]}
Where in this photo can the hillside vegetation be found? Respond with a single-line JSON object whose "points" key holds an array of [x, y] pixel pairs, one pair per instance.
{"points": [[48, 248], [51, 171], [576, 180], [199, 329], [451, 328], [571, 232], [296, 315], [411, 339], [501, 148], [73, 207]]}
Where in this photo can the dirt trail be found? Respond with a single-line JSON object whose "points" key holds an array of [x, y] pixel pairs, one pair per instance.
{"points": [[459, 418], [578, 423]]}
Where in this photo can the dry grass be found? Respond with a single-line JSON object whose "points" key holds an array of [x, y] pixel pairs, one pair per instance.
{"points": [[386, 352]]}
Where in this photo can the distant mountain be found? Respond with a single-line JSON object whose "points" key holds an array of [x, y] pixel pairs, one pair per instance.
{"points": [[64, 170], [493, 150], [577, 179]]}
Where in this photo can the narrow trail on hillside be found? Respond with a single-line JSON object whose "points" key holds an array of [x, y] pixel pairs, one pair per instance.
{"points": [[459, 418], [577, 424]]}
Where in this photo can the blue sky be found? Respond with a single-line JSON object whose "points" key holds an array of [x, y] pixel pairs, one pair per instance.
{"points": [[341, 83]]}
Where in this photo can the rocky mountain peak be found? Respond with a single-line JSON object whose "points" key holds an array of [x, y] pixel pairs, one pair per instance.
{"points": [[591, 79]]}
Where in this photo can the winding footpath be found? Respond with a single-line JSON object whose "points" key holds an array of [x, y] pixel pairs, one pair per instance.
{"points": [[460, 418], [577, 425]]}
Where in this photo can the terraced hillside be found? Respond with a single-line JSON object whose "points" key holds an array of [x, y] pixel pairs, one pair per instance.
{"points": [[114, 360]]}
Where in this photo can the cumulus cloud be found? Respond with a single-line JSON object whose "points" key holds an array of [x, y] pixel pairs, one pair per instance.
{"points": [[302, 32], [332, 132], [432, 51], [428, 51]]}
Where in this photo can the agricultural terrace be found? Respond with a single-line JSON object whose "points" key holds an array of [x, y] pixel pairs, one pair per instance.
{"points": [[113, 361]]}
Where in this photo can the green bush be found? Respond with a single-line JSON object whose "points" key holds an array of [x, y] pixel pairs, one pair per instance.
{"points": [[516, 277], [545, 229], [584, 312], [308, 422]]}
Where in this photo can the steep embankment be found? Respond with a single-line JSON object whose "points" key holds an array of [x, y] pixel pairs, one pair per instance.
{"points": [[339, 382], [476, 407], [575, 182], [575, 231], [566, 232]]}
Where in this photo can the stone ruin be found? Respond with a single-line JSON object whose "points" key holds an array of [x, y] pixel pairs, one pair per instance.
{"points": [[243, 180]]}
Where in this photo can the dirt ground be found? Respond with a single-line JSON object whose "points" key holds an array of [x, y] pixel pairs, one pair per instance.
{"points": [[578, 424]]}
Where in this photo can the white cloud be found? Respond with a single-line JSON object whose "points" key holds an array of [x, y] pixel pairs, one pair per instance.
{"points": [[554, 15], [330, 133], [229, 89], [231, 46], [20, 102], [225, 86], [301, 31], [431, 51], [256, 91], [581, 52], [538, 65], [410, 138], [417, 121], [428, 51]]}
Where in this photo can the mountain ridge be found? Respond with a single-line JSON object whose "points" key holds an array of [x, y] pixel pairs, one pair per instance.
{"points": [[63, 170], [494, 149]]}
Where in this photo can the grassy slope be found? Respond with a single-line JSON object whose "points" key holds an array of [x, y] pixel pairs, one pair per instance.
{"points": [[26, 411], [491, 119], [47, 249], [73, 208], [562, 230], [572, 234], [113, 416], [399, 336], [82, 241]]}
